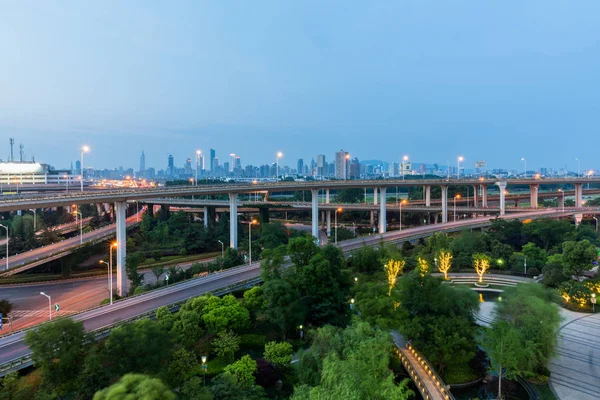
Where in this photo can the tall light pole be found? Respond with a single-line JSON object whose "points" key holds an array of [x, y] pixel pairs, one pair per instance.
{"points": [[279, 155], [204, 368], [577, 159], [34, 220], [109, 264], [400, 213], [49, 304], [404, 160], [455, 197], [460, 159], [524, 167], [596, 219], [250, 240], [84, 149], [7, 240], [346, 171], [80, 226], [222, 249], [339, 210], [563, 199], [198, 152]]}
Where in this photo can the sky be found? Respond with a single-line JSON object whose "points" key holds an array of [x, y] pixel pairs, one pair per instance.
{"points": [[488, 80]]}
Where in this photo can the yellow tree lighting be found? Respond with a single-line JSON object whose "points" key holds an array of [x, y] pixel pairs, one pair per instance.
{"points": [[393, 268], [481, 262], [423, 266], [445, 263]]}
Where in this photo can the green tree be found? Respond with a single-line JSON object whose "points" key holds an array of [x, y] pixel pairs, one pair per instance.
{"points": [[353, 195], [165, 318], [271, 265], [242, 371], [139, 347], [253, 299], [5, 308], [554, 271], [536, 257], [501, 251], [282, 304], [132, 261], [225, 345], [181, 367], [547, 233], [365, 259], [225, 387], [226, 313], [136, 386], [58, 351], [194, 389], [187, 327], [301, 250], [578, 257], [278, 353], [272, 235], [93, 376]]}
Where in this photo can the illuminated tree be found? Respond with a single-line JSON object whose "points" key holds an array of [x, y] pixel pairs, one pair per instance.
{"points": [[393, 268], [481, 262], [444, 262], [422, 266]]}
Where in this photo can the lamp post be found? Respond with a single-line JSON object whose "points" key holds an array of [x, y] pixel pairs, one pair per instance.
{"points": [[593, 302], [524, 167], [404, 160], [34, 220], [49, 304], [7, 240], [596, 219], [84, 149], [109, 264], [279, 155], [351, 304], [204, 368], [346, 172], [301, 328], [460, 159], [455, 197], [198, 152], [563, 199], [525, 264], [336, 224], [250, 240], [80, 225], [400, 214], [222, 249]]}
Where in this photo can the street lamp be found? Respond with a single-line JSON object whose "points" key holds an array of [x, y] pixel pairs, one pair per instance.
{"points": [[404, 160], [49, 304], [279, 155], [222, 249], [596, 219], [76, 212], [593, 302], [455, 197], [351, 304], [204, 368], [400, 213], [524, 167], [250, 240], [563, 199], [198, 152], [336, 224], [460, 159], [84, 149], [346, 164], [7, 240], [109, 264]]}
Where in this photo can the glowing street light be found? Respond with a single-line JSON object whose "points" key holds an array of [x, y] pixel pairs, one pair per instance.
{"points": [[455, 197], [204, 368], [253, 222], [109, 264], [279, 155], [339, 210], [460, 159], [400, 213], [84, 149], [404, 160]]}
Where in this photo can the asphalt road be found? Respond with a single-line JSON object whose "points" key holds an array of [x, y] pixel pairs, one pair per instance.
{"points": [[13, 347]]}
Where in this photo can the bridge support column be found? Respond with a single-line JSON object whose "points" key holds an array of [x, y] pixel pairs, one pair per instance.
{"points": [[579, 195], [561, 202], [533, 196], [323, 219], [328, 223], [233, 221], [315, 213], [122, 282], [372, 218], [444, 204], [375, 196], [427, 196], [382, 210], [484, 196], [206, 216], [502, 187], [578, 218], [475, 194], [326, 195]]}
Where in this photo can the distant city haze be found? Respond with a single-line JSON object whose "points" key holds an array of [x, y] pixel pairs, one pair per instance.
{"points": [[434, 80]]}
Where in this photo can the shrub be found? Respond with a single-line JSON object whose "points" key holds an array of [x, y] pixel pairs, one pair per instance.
{"points": [[253, 341]]}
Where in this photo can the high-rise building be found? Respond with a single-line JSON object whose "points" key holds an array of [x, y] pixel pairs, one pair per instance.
{"points": [[321, 164], [355, 169], [212, 160], [171, 166], [300, 166], [226, 167], [341, 164], [142, 163], [188, 166], [77, 167]]}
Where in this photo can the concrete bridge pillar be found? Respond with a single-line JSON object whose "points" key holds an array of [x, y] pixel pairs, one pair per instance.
{"points": [[375, 196], [578, 218], [579, 195], [444, 204], [427, 196], [502, 187], [484, 196], [533, 196], [315, 213], [206, 216], [122, 282], [382, 210], [561, 201], [328, 222], [372, 218], [327, 196], [323, 219], [475, 195], [233, 221], [99, 208]]}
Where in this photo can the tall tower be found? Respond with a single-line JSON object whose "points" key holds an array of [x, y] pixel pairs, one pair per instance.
{"points": [[142, 163], [12, 145], [341, 164], [171, 166], [212, 160]]}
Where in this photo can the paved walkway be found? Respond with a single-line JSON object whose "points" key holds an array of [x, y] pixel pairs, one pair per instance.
{"points": [[576, 367]]}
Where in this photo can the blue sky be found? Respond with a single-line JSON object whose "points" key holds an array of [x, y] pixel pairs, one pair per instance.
{"points": [[492, 81]]}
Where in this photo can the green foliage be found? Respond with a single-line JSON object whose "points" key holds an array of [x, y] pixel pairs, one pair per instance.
{"points": [[187, 327], [546, 233], [242, 371], [158, 271], [226, 313], [225, 387], [5, 308], [301, 250], [93, 376], [251, 340], [507, 231], [225, 345], [365, 259], [554, 271], [136, 386], [58, 351], [165, 318], [253, 299], [576, 295], [282, 304], [272, 263], [272, 235], [354, 365], [353, 195], [181, 366], [194, 389], [376, 307], [578, 257], [536, 257], [139, 347], [464, 246], [132, 261], [278, 353]]}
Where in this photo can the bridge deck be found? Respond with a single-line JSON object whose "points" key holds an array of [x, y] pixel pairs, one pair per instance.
{"points": [[430, 386]]}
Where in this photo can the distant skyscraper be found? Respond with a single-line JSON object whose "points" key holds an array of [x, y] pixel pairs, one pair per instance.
{"points": [[341, 165], [300, 166], [78, 167], [212, 160], [226, 168], [321, 164], [171, 166], [238, 162], [354, 169], [188, 166], [142, 163]]}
